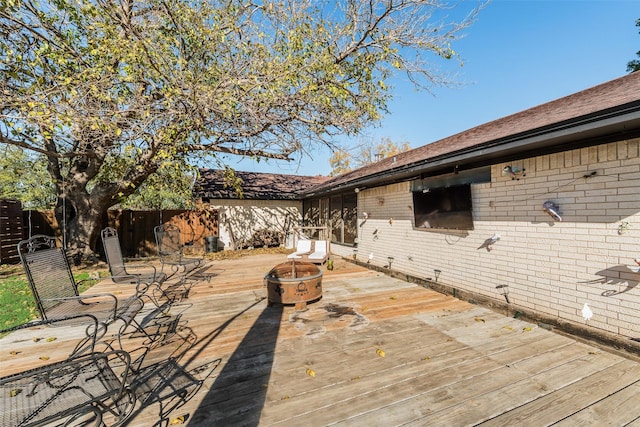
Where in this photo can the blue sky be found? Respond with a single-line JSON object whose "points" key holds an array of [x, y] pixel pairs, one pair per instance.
{"points": [[518, 54]]}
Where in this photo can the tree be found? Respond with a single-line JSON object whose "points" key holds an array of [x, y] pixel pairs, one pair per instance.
{"points": [[634, 65], [23, 177], [369, 152], [111, 91], [168, 188]]}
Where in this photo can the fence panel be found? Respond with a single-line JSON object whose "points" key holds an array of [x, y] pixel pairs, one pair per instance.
{"points": [[39, 222], [10, 230], [135, 228]]}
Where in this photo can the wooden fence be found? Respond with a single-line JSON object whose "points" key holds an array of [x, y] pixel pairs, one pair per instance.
{"points": [[135, 228], [10, 230]]}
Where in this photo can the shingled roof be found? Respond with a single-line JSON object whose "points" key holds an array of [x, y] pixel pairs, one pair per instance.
{"points": [[611, 109], [255, 186]]}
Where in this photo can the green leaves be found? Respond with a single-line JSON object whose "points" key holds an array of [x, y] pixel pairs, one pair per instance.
{"points": [[111, 93]]}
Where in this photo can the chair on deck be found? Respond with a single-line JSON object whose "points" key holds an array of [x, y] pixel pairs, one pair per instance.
{"points": [[320, 252], [56, 292], [84, 386], [170, 250], [302, 248], [146, 277]]}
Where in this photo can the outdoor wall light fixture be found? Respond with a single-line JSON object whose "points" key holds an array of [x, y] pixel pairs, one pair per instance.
{"points": [[504, 291], [514, 171], [623, 227], [357, 190], [552, 209], [488, 243], [436, 273]]}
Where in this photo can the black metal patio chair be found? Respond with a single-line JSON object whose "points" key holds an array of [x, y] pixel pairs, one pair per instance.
{"points": [[56, 292], [171, 250], [147, 279], [85, 385]]}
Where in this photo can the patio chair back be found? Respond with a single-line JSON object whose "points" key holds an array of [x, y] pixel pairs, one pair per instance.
{"points": [[170, 249], [113, 252], [56, 292], [168, 239], [48, 272]]}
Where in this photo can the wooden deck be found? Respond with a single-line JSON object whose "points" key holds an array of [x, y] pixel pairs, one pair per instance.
{"points": [[374, 351]]}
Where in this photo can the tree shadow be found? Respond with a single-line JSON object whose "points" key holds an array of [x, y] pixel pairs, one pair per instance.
{"points": [[164, 377], [239, 392], [618, 275]]}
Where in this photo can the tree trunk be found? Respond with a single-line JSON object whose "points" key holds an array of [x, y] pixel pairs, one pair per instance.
{"points": [[80, 219]]}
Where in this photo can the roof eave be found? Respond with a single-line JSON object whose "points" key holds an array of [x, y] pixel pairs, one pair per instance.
{"points": [[606, 126]]}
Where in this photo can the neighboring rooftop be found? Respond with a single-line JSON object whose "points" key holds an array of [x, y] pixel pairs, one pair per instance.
{"points": [[255, 185]]}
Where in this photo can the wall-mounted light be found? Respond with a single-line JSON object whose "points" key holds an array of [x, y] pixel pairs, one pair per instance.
{"points": [[504, 291], [552, 209], [513, 171], [488, 243], [357, 190]]}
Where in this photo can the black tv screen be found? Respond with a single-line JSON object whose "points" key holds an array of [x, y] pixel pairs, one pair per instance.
{"points": [[444, 207]]}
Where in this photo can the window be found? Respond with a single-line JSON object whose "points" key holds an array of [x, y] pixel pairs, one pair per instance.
{"points": [[443, 207]]}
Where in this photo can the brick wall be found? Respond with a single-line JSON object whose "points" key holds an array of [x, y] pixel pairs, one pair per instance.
{"points": [[551, 267]]}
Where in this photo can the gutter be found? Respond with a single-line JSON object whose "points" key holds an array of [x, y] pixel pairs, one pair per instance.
{"points": [[611, 125]]}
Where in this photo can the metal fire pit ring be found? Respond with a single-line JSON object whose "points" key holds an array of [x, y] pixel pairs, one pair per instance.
{"points": [[294, 282]]}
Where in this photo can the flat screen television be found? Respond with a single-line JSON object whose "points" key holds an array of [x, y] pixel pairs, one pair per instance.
{"points": [[444, 207]]}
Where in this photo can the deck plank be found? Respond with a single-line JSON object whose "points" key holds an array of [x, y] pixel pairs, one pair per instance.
{"points": [[444, 361]]}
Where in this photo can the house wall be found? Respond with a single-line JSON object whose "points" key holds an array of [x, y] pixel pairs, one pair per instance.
{"points": [[240, 219], [551, 267]]}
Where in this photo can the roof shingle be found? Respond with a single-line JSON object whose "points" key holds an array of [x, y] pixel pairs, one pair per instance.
{"points": [[609, 95], [255, 186]]}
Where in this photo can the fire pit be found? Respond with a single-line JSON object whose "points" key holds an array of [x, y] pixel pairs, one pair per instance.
{"points": [[294, 282]]}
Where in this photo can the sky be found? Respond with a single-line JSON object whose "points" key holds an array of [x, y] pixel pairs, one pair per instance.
{"points": [[518, 54]]}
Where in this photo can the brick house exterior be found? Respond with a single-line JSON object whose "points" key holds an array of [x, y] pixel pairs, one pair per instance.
{"points": [[581, 153]]}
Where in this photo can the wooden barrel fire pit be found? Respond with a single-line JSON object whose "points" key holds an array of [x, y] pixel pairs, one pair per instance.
{"points": [[294, 282]]}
